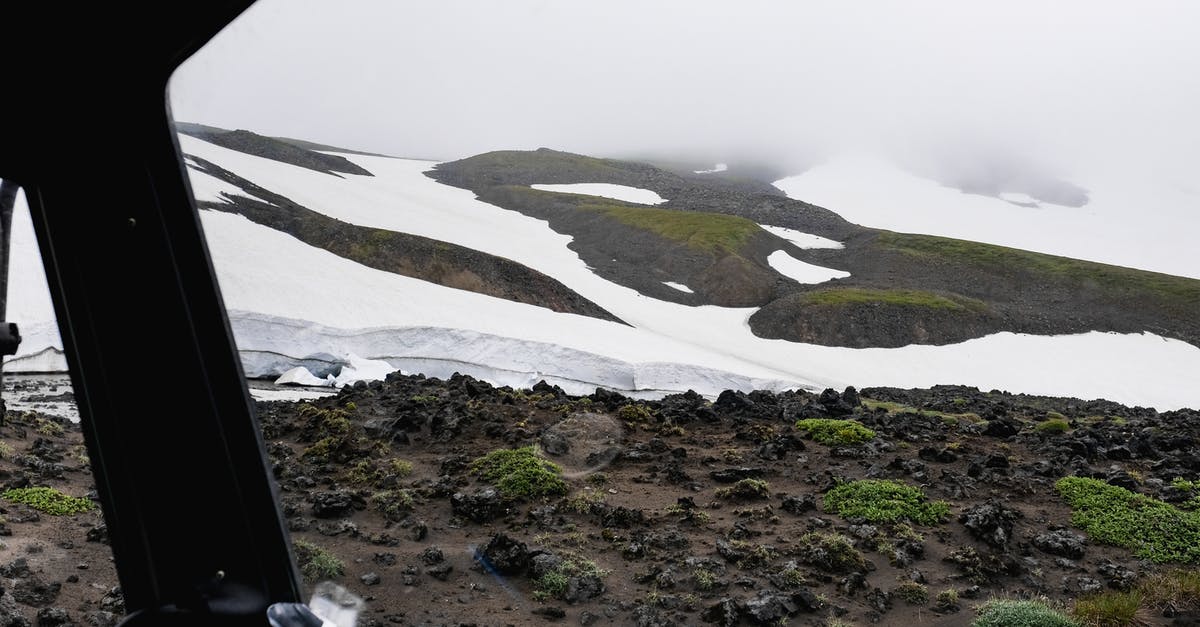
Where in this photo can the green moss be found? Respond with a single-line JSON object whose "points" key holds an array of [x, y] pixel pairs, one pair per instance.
{"points": [[709, 232], [882, 500], [393, 504], [951, 419], [1052, 426], [1013, 613], [634, 413], [1179, 292], [746, 489], [911, 593], [835, 432], [378, 473], [1151, 528], [316, 563], [913, 299], [832, 552], [520, 473], [555, 582], [49, 501]]}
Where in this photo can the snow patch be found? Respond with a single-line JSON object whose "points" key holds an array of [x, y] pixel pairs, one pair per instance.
{"points": [[802, 271], [679, 286], [301, 376], [1019, 198], [606, 190], [801, 239], [260, 394], [720, 167], [359, 369], [871, 191]]}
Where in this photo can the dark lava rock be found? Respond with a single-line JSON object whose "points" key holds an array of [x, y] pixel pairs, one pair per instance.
{"points": [[543, 563], [100, 619], [370, 579], [98, 533], [798, 504], [431, 555], [1061, 542], [550, 612], [33, 592], [835, 404], [480, 506], [1002, 428], [384, 559], [555, 443], [733, 475], [441, 571], [583, 587], [332, 504], [990, 522], [504, 555], [942, 455], [772, 608], [53, 617], [1117, 576], [725, 613]]}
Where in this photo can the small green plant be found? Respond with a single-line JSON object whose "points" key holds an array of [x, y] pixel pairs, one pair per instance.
{"points": [[883, 500], [49, 501], [1178, 590], [794, 578], [520, 473], [317, 564], [1109, 609], [947, 597], [378, 473], [583, 502], [1013, 613], [393, 504], [554, 583], [1053, 426], [634, 413], [745, 489], [6, 451], [1151, 528], [705, 579], [835, 432], [48, 427], [911, 593], [830, 551]]}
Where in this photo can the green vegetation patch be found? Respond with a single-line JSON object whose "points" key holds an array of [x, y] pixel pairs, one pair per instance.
{"points": [[520, 473], [710, 232], [554, 583], [49, 501], [1152, 529], [1003, 260], [745, 489], [1109, 609], [1053, 426], [883, 500], [316, 563], [833, 552], [1014, 613], [912, 299], [835, 432]]}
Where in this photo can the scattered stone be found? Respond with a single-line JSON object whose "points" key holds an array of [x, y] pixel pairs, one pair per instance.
{"points": [[991, 522], [504, 555], [1061, 542], [370, 579]]}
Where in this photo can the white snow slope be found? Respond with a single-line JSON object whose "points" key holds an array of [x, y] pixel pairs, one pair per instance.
{"points": [[1112, 228], [293, 304]]}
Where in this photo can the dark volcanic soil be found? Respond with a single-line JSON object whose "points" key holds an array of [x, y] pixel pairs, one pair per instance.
{"points": [[642, 504]]}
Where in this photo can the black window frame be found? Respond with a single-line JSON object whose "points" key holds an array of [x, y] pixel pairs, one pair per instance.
{"points": [[177, 455]]}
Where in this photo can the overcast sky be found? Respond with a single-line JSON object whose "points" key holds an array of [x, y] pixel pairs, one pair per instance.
{"points": [[1059, 83]]}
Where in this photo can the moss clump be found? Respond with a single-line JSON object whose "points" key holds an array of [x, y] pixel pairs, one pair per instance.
{"points": [[1153, 529], [634, 413], [317, 564], [1053, 426], [1013, 613], [393, 504], [835, 432], [882, 500], [746, 489], [832, 552], [48, 428], [49, 501], [708, 232], [554, 584], [379, 473], [911, 299], [911, 593], [520, 473]]}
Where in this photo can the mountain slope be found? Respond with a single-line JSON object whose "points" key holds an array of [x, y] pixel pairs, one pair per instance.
{"points": [[1007, 289]]}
